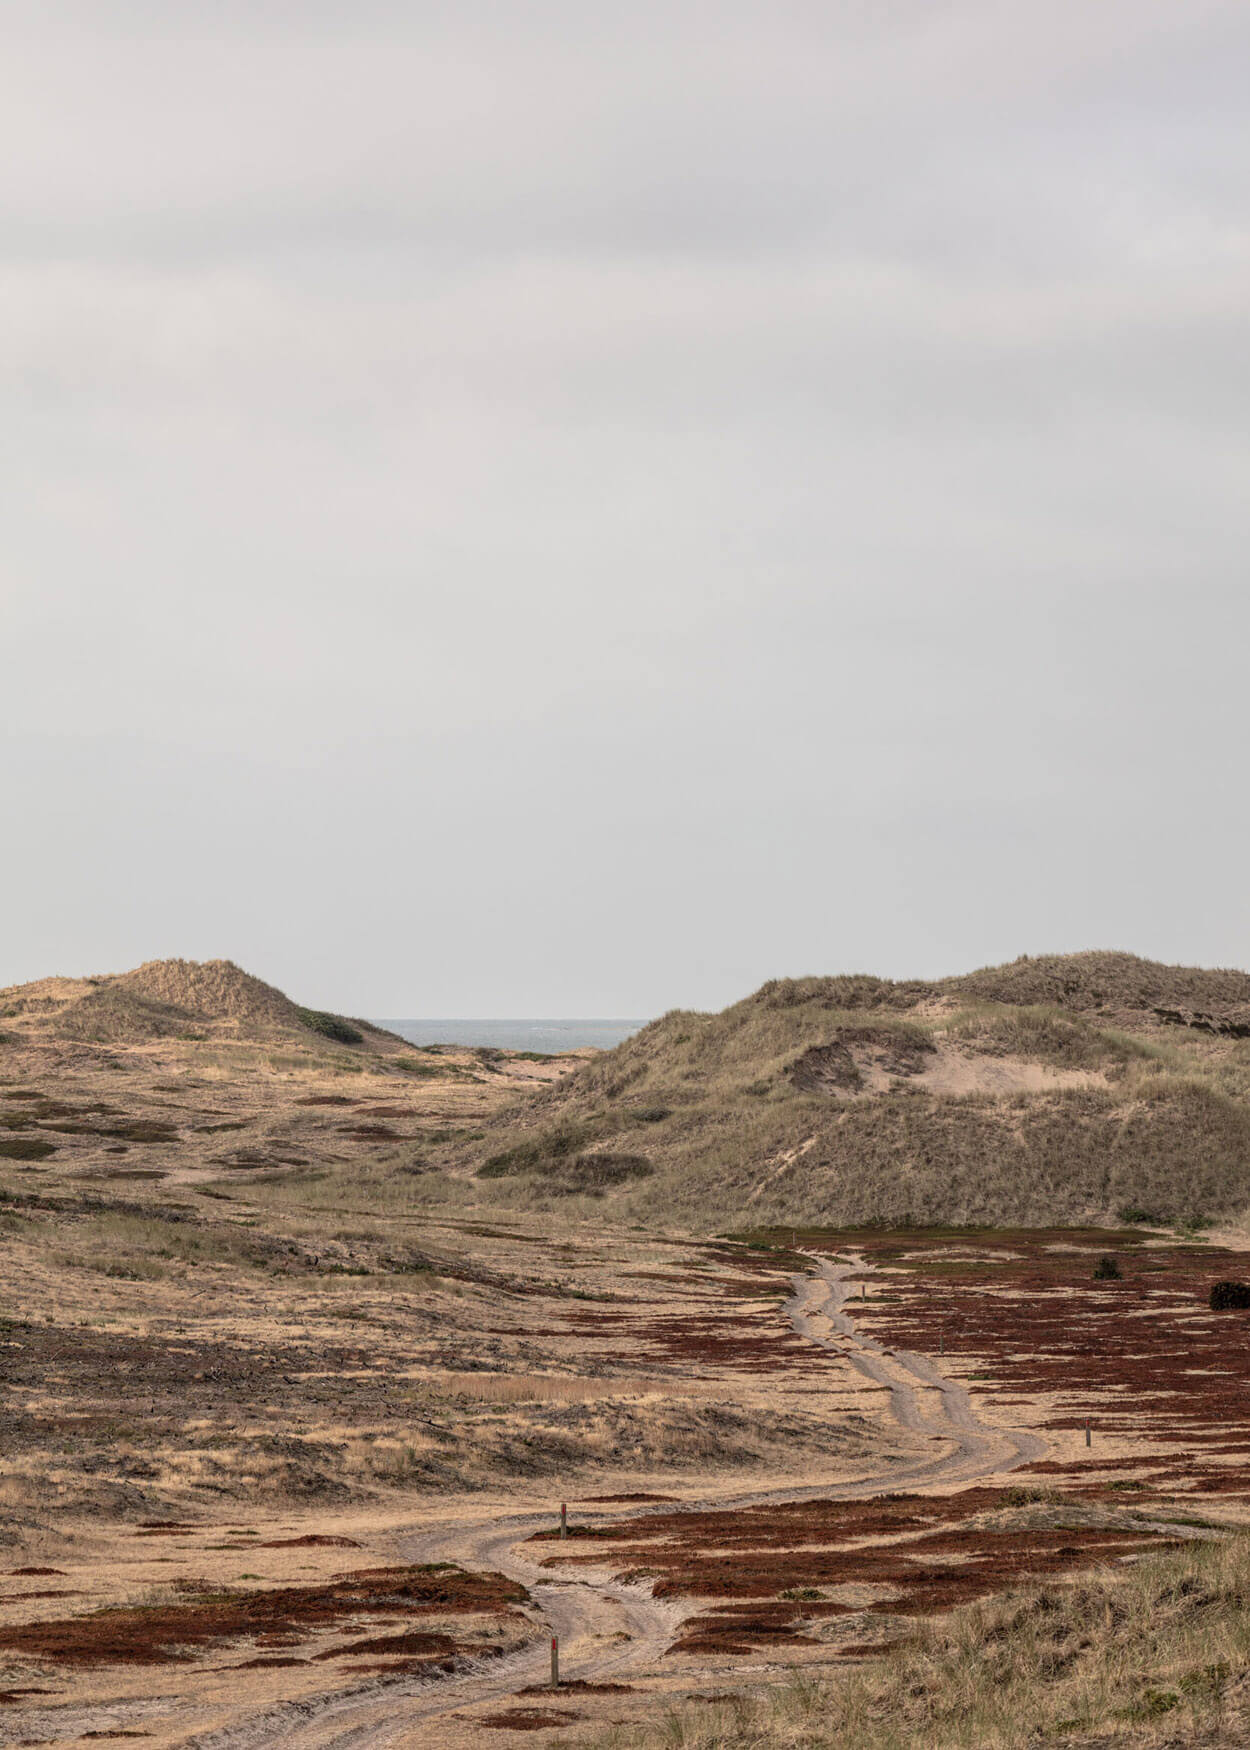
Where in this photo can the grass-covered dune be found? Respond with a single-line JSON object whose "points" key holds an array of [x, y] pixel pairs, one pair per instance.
{"points": [[1060, 1088]]}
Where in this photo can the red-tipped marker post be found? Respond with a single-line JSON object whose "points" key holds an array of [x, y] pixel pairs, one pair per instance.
{"points": [[564, 1519], [555, 1661]]}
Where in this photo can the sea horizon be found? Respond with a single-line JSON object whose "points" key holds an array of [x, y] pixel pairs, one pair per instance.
{"points": [[546, 1033]]}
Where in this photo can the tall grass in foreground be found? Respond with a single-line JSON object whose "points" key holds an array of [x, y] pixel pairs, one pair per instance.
{"points": [[1115, 1653]]}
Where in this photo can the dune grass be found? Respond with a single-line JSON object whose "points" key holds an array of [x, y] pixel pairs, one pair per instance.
{"points": [[973, 1101], [1119, 1654]]}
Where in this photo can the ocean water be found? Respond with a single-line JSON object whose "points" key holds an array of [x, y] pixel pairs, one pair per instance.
{"points": [[516, 1034]]}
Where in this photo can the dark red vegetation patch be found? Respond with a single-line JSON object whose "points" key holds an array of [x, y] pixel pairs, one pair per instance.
{"points": [[1141, 1355], [528, 1719], [730, 1335], [639, 1498], [757, 1562], [410, 1667], [312, 1540], [579, 1686], [414, 1643], [167, 1633]]}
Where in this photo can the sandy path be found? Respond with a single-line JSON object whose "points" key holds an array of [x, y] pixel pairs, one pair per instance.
{"points": [[608, 1630]]}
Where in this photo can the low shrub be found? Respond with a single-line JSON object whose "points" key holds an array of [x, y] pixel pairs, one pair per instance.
{"points": [[543, 1151], [1106, 1270], [1229, 1296], [595, 1172], [26, 1148], [330, 1026]]}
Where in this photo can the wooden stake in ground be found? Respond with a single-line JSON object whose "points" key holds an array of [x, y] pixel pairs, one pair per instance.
{"points": [[564, 1519], [555, 1661], [1089, 1441]]}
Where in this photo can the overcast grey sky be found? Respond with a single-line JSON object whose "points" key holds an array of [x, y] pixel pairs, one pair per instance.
{"points": [[568, 508]]}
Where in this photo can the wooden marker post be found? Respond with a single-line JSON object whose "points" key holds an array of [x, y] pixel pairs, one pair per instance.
{"points": [[1089, 1440], [555, 1661], [564, 1519]]}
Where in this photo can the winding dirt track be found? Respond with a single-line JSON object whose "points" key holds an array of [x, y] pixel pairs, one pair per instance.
{"points": [[609, 1630]]}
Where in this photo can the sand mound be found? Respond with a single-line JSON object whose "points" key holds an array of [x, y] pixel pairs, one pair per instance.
{"points": [[170, 999], [212, 990]]}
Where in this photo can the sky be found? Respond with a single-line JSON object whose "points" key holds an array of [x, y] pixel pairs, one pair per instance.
{"points": [[570, 509]]}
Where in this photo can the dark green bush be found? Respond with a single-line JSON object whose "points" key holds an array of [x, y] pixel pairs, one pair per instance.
{"points": [[1106, 1270], [331, 1026]]}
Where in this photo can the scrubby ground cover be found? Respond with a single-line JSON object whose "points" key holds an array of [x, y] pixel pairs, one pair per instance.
{"points": [[225, 1414], [1147, 1638], [231, 1080], [839, 1575], [1157, 1654], [1033, 1323]]}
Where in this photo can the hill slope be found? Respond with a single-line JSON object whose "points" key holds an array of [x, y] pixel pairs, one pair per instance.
{"points": [[166, 999], [1062, 1088]]}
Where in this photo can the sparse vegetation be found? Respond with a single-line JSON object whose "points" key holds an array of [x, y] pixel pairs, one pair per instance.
{"points": [[1100, 1658]]}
